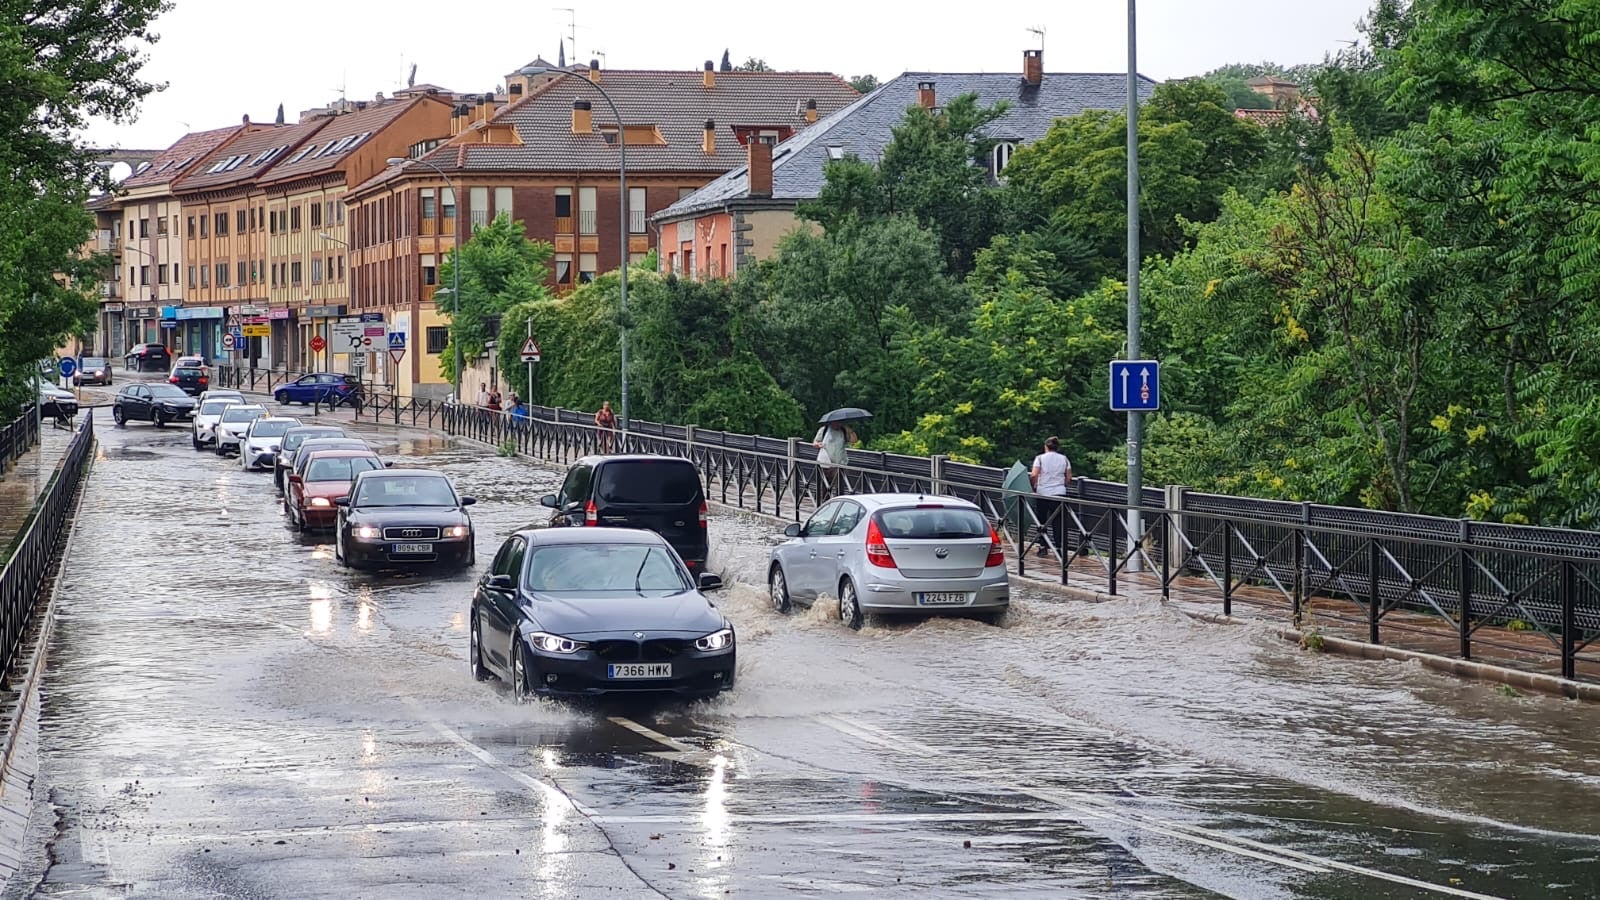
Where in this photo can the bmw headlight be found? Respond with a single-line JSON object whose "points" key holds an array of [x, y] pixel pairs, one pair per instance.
{"points": [[555, 643], [457, 531], [716, 640], [321, 501], [367, 532]]}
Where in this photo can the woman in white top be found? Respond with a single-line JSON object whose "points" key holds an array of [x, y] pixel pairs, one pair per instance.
{"points": [[832, 443], [1051, 474]]}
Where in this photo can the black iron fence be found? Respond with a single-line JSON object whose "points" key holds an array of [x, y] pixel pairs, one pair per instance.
{"points": [[27, 571], [16, 437], [1484, 581]]}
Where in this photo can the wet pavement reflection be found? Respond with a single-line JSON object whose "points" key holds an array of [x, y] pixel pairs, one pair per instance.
{"points": [[229, 713]]}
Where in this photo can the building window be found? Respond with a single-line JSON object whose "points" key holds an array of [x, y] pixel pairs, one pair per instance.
{"points": [[240, 219], [430, 269], [144, 275], [272, 273], [448, 200], [636, 210], [430, 205], [502, 202], [161, 272], [478, 197], [563, 210], [1001, 156], [586, 208], [688, 264], [294, 274], [132, 276], [438, 338], [144, 228], [684, 192], [161, 226], [294, 217], [316, 215], [221, 226], [222, 275], [563, 268], [244, 272], [272, 222], [722, 260], [204, 223], [341, 268], [586, 267], [338, 211], [252, 218], [192, 281], [191, 227], [316, 266], [205, 276]]}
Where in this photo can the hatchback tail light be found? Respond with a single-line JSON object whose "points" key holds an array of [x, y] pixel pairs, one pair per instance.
{"points": [[591, 516], [877, 551], [203, 379], [173, 379], [702, 513], [997, 555]]}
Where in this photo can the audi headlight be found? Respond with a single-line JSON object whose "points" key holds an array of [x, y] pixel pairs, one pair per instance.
{"points": [[457, 531], [323, 501], [555, 643], [716, 640], [367, 531]]}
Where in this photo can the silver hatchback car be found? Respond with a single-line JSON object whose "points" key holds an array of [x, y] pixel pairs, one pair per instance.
{"points": [[893, 553]]}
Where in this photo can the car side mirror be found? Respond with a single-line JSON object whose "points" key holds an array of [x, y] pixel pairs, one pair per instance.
{"points": [[342, 502], [710, 581], [549, 500], [294, 479], [388, 464], [499, 583], [468, 501], [794, 530]]}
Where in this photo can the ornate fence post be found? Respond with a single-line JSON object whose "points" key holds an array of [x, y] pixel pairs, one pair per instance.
{"points": [[936, 472], [1172, 535], [1465, 624], [792, 461]]}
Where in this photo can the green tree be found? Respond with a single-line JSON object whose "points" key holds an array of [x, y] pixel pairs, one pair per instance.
{"points": [[62, 64], [500, 267], [753, 64], [864, 83]]}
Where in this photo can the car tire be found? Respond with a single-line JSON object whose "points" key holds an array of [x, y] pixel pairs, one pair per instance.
{"points": [[282, 397], [117, 416], [520, 670], [475, 650], [850, 606], [196, 442], [159, 418], [778, 590]]}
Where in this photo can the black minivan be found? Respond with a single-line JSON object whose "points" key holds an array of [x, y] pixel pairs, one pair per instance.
{"points": [[659, 493]]}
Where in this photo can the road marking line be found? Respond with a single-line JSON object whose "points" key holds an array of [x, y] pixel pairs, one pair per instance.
{"points": [[658, 737], [550, 792]]}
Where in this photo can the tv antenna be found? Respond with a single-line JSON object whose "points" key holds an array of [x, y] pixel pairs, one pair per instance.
{"points": [[600, 55], [572, 26], [1038, 32]]}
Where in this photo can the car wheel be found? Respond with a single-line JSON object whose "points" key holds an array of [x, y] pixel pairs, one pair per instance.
{"points": [[282, 397], [779, 588], [850, 606], [519, 671], [996, 619], [475, 651], [472, 555], [196, 442], [117, 417], [338, 553], [159, 417]]}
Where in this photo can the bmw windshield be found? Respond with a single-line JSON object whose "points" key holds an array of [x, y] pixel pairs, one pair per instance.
{"points": [[587, 568]]}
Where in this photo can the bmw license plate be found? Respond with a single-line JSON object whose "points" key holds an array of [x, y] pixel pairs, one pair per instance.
{"points": [[413, 548], [639, 670], [942, 598]]}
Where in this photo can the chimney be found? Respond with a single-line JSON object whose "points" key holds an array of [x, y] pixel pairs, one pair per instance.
{"points": [[709, 142], [1032, 67], [582, 118], [458, 119], [811, 112], [925, 94], [246, 119], [709, 79], [485, 107], [594, 70], [515, 91], [760, 168]]}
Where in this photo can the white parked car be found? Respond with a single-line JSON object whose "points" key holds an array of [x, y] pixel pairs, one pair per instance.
{"points": [[218, 394], [235, 420], [204, 432], [259, 448]]}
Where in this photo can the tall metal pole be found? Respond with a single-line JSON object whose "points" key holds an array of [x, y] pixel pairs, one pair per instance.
{"points": [[1135, 419], [455, 273]]}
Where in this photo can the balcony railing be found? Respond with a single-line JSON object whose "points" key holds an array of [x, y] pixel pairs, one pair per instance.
{"points": [[635, 220], [586, 221], [563, 224], [110, 290]]}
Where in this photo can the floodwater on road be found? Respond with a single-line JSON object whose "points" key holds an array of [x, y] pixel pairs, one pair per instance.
{"points": [[228, 713]]}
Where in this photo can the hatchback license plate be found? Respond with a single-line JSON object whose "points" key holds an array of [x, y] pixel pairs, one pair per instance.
{"points": [[639, 670], [413, 548], [941, 598]]}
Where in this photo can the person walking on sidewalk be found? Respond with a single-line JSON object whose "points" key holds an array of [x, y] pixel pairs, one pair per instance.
{"points": [[605, 423], [833, 450], [1051, 474]]}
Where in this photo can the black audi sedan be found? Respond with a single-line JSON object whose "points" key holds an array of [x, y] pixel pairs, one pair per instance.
{"points": [[159, 403], [403, 517], [589, 611]]}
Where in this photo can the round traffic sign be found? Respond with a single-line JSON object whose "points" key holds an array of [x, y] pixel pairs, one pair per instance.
{"points": [[67, 366], [227, 341], [317, 343]]}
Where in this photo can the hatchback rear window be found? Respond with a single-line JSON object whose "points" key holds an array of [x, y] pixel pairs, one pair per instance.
{"points": [[191, 372], [648, 481], [933, 523]]}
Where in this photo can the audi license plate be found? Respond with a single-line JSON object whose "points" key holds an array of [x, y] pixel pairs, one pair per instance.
{"points": [[413, 548], [942, 598], [639, 670]]}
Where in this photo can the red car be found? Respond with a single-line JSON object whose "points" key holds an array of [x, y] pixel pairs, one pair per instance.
{"points": [[318, 479]]}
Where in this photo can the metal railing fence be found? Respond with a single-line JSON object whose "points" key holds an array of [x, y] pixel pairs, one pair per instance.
{"points": [[16, 437]]}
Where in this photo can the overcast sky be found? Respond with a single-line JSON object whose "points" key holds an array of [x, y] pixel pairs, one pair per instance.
{"points": [[221, 62]]}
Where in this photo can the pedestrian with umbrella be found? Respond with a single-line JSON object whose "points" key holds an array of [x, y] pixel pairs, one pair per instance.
{"points": [[833, 441]]}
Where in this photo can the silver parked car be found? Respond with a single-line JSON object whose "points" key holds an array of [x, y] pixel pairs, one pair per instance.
{"points": [[235, 420], [259, 446], [893, 553]]}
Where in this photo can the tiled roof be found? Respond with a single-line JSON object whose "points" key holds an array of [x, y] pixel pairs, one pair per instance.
{"points": [[179, 159], [248, 157], [865, 127], [340, 138], [676, 103]]}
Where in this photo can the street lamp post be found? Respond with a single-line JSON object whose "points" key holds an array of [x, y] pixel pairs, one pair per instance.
{"points": [[105, 318], [328, 359], [455, 269], [622, 225], [1135, 419]]}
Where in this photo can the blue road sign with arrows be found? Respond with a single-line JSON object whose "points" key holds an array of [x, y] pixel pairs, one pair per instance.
{"points": [[67, 366], [1135, 385]]}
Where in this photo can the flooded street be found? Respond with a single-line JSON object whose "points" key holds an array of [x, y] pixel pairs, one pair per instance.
{"points": [[228, 713]]}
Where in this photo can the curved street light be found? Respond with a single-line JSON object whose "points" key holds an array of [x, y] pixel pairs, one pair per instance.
{"points": [[622, 225], [455, 267]]}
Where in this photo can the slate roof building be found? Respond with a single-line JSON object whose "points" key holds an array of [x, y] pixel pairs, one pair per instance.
{"points": [[550, 160], [752, 205]]}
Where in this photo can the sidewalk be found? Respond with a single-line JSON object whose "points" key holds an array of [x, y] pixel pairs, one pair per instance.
{"points": [[22, 484]]}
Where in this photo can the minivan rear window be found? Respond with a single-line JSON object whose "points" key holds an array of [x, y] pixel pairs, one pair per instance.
{"points": [[648, 481], [933, 523]]}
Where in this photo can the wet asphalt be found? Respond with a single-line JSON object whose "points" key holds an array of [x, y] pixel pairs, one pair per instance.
{"points": [[227, 713]]}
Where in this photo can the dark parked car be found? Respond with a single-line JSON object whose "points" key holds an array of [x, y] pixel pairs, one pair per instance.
{"points": [[55, 403], [661, 493], [321, 387], [158, 403], [92, 370], [308, 449], [403, 517], [193, 380], [597, 611], [291, 443], [148, 356]]}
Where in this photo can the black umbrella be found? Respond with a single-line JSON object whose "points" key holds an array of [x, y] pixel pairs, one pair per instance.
{"points": [[845, 414]]}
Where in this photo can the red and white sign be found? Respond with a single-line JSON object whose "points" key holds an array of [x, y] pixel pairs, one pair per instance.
{"points": [[530, 351], [397, 355], [317, 344]]}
